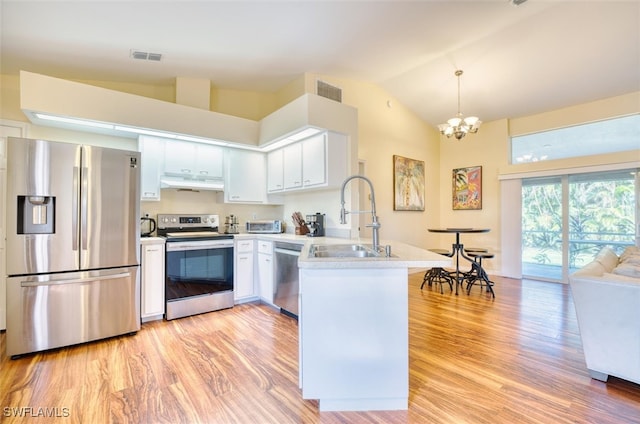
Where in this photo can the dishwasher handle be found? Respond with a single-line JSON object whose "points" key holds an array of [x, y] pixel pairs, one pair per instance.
{"points": [[287, 248], [287, 251]]}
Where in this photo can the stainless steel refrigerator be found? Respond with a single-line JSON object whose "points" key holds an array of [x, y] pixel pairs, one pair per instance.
{"points": [[72, 244]]}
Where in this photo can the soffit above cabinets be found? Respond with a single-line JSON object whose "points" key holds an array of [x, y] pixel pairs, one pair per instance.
{"points": [[49, 101]]}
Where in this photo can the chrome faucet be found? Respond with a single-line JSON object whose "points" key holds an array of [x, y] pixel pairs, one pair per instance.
{"points": [[375, 225]]}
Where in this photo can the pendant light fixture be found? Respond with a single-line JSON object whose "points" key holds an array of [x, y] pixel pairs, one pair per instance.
{"points": [[459, 126]]}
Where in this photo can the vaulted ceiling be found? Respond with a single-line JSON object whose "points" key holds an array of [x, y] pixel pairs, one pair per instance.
{"points": [[517, 60]]}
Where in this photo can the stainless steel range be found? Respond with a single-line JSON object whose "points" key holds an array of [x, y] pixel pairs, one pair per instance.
{"points": [[199, 264]]}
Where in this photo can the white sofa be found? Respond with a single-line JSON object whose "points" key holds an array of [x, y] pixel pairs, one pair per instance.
{"points": [[606, 295]]}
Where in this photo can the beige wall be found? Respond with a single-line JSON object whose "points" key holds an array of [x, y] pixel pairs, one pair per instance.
{"points": [[488, 149]]}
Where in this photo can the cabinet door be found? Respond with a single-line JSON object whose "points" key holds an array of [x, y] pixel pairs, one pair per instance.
{"points": [[152, 286], [314, 160], [245, 180], [265, 277], [179, 158], [209, 161], [275, 176], [243, 276], [292, 160], [152, 158]]}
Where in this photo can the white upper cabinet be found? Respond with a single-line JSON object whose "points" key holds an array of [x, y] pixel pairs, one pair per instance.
{"points": [[152, 163], [292, 171], [314, 160], [193, 160], [275, 171], [245, 177], [320, 161]]}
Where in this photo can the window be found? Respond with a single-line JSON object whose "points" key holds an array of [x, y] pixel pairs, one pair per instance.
{"points": [[612, 135]]}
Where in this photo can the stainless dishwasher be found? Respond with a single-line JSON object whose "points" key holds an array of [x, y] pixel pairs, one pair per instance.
{"points": [[286, 273]]}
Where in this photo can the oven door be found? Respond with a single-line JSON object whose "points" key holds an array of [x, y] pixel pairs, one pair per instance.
{"points": [[197, 268]]}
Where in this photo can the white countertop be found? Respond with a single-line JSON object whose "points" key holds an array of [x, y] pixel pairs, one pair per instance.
{"points": [[402, 256]]}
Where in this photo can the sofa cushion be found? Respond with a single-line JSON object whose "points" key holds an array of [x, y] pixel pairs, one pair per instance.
{"points": [[629, 253], [608, 258], [631, 259], [630, 270], [594, 269]]}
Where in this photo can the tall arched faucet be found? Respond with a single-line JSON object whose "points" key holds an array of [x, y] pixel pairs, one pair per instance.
{"points": [[375, 225]]}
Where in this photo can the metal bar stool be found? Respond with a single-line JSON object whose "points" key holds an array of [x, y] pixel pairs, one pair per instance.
{"points": [[478, 273], [469, 275], [438, 275]]}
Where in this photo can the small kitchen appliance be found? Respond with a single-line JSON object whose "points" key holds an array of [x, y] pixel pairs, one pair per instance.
{"points": [[316, 225], [231, 225], [198, 266], [147, 226], [267, 226]]}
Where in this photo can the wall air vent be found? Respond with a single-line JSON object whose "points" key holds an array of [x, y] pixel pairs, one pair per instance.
{"points": [[329, 91], [140, 55]]}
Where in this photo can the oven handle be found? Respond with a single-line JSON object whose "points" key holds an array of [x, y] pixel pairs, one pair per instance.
{"points": [[181, 246]]}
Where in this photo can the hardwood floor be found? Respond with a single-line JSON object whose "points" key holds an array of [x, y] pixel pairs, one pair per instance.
{"points": [[517, 358]]}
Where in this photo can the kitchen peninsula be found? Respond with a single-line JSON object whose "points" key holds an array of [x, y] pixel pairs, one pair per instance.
{"points": [[353, 324]]}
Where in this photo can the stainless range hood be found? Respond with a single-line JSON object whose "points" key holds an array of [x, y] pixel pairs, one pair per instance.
{"points": [[191, 184]]}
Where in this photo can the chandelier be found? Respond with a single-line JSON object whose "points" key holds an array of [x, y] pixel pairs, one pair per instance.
{"points": [[460, 126]]}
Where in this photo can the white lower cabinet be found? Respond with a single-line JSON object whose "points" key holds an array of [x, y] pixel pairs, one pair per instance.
{"points": [[265, 271], [152, 279], [243, 284]]}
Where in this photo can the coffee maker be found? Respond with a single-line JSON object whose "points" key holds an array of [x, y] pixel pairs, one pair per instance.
{"points": [[231, 224], [316, 225]]}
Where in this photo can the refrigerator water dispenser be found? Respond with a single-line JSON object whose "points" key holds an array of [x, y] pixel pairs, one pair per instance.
{"points": [[36, 214]]}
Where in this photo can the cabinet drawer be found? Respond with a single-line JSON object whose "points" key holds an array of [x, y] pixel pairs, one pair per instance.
{"points": [[265, 247], [244, 246]]}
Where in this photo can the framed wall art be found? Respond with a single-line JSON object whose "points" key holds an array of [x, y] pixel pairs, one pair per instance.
{"points": [[408, 184], [467, 188]]}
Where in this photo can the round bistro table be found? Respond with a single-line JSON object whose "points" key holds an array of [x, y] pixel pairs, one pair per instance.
{"points": [[457, 247]]}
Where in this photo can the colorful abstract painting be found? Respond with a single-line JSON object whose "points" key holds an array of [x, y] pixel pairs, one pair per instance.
{"points": [[467, 188]]}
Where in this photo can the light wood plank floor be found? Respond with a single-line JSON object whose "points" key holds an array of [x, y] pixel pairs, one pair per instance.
{"points": [[515, 359]]}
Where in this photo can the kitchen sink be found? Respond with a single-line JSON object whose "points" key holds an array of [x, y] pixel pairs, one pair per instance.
{"points": [[342, 251]]}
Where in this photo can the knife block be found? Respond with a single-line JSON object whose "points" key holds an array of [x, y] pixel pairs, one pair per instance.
{"points": [[302, 230]]}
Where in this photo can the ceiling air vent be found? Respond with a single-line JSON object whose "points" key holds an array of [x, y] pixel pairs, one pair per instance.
{"points": [[140, 55], [329, 91]]}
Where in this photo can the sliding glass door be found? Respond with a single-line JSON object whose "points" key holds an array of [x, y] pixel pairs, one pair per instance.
{"points": [[566, 220], [542, 228]]}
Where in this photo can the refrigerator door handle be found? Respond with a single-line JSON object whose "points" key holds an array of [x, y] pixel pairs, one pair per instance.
{"points": [[74, 280], [84, 208], [74, 209]]}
